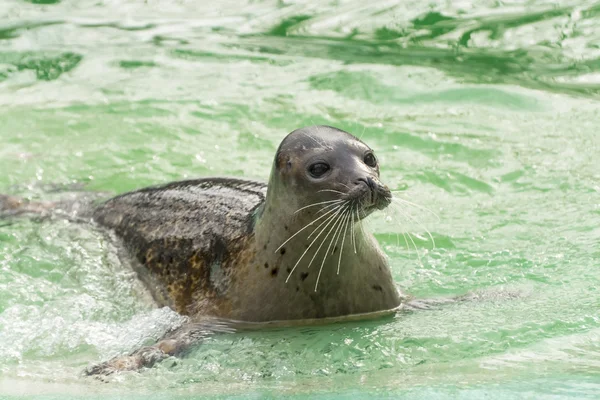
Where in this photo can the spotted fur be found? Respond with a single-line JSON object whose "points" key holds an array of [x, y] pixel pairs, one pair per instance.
{"points": [[186, 235]]}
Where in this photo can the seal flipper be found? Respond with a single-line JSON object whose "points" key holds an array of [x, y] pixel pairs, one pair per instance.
{"points": [[13, 206], [412, 304], [73, 206], [175, 343]]}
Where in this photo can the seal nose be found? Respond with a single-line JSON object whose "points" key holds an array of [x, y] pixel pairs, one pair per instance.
{"points": [[371, 183], [380, 195], [367, 181]]}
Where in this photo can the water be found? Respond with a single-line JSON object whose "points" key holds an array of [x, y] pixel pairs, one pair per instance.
{"points": [[485, 112]]}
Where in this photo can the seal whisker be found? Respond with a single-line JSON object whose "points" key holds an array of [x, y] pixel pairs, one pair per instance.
{"points": [[323, 242], [317, 228], [330, 190], [317, 204], [405, 241], [339, 231], [413, 219], [403, 235], [340, 220], [331, 218], [334, 205], [353, 229], [388, 217], [362, 228], [343, 239], [363, 132], [416, 249], [391, 215], [328, 206], [412, 241], [315, 140], [410, 203], [338, 209], [304, 227]]}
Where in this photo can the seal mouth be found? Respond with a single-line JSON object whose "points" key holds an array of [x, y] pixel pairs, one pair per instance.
{"points": [[370, 195]]}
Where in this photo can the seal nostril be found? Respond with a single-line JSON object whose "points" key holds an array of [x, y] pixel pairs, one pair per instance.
{"points": [[361, 181], [371, 183]]}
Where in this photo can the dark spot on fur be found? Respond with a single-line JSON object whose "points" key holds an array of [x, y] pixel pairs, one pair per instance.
{"points": [[304, 275], [283, 160], [266, 265], [378, 288], [297, 288], [265, 247], [334, 249], [289, 270], [282, 251], [285, 227], [274, 271]]}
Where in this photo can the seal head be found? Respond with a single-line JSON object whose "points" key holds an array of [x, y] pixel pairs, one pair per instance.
{"points": [[321, 162], [321, 261]]}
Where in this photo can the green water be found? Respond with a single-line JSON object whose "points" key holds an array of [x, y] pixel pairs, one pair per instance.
{"points": [[485, 112]]}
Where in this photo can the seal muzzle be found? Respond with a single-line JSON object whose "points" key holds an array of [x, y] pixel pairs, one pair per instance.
{"points": [[370, 193]]}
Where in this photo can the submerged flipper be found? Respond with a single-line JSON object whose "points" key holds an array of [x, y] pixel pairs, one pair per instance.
{"points": [[13, 206], [74, 206], [413, 304], [174, 343]]}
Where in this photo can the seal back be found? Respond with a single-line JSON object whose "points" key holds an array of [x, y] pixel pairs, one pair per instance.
{"points": [[184, 235]]}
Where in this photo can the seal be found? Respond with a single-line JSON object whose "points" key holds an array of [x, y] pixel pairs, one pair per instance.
{"points": [[292, 251], [246, 251]]}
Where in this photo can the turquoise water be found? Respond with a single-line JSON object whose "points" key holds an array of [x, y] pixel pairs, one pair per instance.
{"points": [[484, 112]]}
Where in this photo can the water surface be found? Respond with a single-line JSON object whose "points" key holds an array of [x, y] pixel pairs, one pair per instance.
{"points": [[484, 112]]}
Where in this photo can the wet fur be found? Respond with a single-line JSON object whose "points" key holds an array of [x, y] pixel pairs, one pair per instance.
{"points": [[187, 235]]}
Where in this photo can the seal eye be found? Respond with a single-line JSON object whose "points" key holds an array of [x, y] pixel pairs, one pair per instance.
{"points": [[370, 160], [317, 170]]}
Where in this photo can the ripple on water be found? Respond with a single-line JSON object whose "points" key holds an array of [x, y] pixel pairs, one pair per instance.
{"points": [[485, 115], [47, 67]]}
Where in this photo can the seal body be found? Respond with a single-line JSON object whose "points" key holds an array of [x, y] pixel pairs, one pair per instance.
{"points": [[290, 250], [186, 237]]}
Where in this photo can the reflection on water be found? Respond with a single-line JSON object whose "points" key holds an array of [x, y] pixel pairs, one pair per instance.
{"points": [[483, 112]]}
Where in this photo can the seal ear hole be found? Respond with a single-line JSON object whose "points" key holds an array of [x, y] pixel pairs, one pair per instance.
{"points": [[370, 160], [318, 169]]}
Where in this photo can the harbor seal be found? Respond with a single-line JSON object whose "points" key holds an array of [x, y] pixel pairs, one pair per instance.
{"points": [[292, 251]]}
